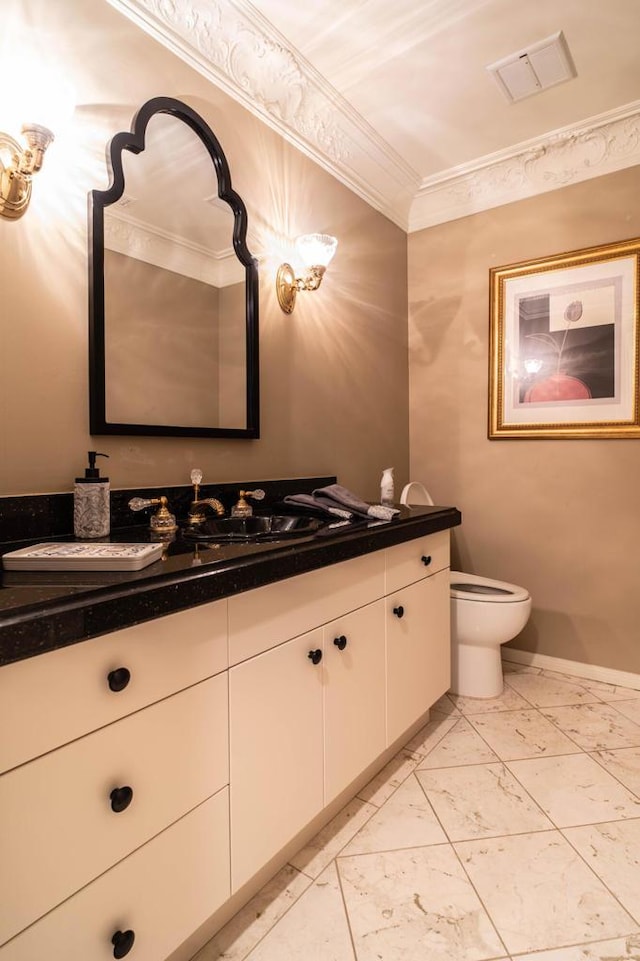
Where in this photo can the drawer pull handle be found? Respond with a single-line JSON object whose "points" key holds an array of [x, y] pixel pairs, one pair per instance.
{"points": [[340, 642], [119, 678], [122, 942], [399, 611], [315, 656], [426, 559], [121, 798]]}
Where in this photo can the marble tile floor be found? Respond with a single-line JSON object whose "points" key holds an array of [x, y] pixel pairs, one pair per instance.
{"points": [[507, 828]]}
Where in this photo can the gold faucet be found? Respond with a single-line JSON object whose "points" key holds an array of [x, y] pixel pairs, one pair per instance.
{"points": [[197, 514]]}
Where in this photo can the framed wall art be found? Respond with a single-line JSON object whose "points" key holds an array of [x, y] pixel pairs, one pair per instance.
{"points": [[564, 345]]}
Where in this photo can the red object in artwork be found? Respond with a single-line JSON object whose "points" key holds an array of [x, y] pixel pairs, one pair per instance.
{"points": [[557, 387]]}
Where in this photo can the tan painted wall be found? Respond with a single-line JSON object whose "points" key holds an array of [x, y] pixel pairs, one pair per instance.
{"points": [[560, 517], [334, 375]]}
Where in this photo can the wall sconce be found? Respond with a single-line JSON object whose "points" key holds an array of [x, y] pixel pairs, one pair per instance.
{"points": [[17, 166], [44, 93], [316, 251]]}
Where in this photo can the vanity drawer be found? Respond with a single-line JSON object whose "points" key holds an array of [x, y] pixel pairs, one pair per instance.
{"points": [[260, 619], [405, 564], [59, 829], [162, 892], [71, 686]]}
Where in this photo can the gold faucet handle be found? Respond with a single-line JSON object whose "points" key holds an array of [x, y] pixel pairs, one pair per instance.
{"points": [[242, 509], [163, 519], [139, 503], [257, 495]]}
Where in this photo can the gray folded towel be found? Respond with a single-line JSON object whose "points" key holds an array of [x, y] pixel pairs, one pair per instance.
{"points": [[349, 500], [337, 500], [318, 504]]}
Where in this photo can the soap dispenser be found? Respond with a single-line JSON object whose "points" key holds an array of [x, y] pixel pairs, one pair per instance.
{"points": [[91, 509], [387, 490]]}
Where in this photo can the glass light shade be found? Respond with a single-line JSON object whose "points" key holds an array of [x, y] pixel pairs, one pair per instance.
{"points": [[316, 250]]}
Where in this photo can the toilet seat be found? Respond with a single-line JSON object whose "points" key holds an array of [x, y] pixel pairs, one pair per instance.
{"points": [[485, 590], [418, 493]]}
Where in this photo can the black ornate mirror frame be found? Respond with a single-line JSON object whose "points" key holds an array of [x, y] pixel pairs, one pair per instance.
{"points": [[99, 199]]}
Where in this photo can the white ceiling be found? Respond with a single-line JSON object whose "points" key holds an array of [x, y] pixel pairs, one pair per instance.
{"points": [[394, 97]]}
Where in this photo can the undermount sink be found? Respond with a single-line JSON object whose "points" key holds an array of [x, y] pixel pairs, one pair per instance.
{"points": [[255, 528]]}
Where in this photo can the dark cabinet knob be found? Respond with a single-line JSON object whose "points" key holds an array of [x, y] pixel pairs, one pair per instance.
{"points": [[122, 942], [399, 611], [119, 678], [121, 798], [315, 656], [426, 559], [340, 642]]}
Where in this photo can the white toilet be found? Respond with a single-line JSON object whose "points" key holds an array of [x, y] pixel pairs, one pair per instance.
{"points": [[484, 614]]}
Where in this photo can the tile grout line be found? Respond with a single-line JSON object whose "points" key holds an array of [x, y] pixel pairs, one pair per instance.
{"points": [[635, 920], [457, 856]]}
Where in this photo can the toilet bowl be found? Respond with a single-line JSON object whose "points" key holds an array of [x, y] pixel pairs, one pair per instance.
{"points": [[485, 613]]}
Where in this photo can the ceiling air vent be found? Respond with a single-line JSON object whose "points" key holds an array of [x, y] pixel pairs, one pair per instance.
{"points": [[541, 65]]}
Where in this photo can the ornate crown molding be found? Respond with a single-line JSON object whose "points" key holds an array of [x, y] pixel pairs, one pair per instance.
{"points": [[232, 45], [599, 146], [236, 48]]}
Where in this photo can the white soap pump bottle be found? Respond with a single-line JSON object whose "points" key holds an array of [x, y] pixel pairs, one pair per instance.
{"points": [[387, 490], [91, 506]]}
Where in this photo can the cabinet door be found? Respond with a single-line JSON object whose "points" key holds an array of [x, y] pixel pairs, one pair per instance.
{"points": [[354, 695], [161, 893], [418, 650], [275, 730]]}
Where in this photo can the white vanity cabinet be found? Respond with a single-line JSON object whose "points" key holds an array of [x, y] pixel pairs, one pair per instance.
{"points": [[306, 717], [309, 713], [88, 813], [149, 774]]}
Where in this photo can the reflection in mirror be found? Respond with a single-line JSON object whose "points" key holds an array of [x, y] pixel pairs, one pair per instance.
{"points": [[174, 289]]}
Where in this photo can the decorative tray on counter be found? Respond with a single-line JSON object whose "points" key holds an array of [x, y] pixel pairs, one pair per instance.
{"points": [[82, 557]]}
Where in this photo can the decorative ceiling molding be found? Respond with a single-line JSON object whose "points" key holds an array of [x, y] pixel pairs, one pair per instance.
{"points": [[231, 44], [599, 146]]}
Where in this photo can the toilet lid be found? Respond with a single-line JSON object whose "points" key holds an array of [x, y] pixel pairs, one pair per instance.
{"points": [[471, 587]]}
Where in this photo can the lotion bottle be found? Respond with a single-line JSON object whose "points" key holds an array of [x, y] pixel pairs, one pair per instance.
{"points": [[91, 507], [387, 490]]}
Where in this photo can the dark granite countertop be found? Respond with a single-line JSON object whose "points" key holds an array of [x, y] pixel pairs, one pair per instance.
{"points": [[41, 611]]}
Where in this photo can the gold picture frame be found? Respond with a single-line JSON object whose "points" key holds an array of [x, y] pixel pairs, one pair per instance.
{"points": [[564, 345]]}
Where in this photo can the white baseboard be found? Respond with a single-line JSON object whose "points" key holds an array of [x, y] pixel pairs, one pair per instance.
{"points": [[591, 671]]}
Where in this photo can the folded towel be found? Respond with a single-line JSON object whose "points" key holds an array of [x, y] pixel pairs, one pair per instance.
{"points": [[340, 502], [318, 504], [347, 499]]}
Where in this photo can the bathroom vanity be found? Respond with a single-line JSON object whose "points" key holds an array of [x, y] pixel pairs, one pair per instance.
{"points": [[173, 735]]}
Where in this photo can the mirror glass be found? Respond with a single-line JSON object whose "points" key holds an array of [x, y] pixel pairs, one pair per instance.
{"points": [[174, 288]]}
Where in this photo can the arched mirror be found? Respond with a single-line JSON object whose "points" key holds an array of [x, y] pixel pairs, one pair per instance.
{"points": [[173, 289]]}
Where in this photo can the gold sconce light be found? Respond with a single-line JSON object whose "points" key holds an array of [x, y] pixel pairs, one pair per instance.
{"points": [[17, 165], [316, 251], [42, 93]]}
